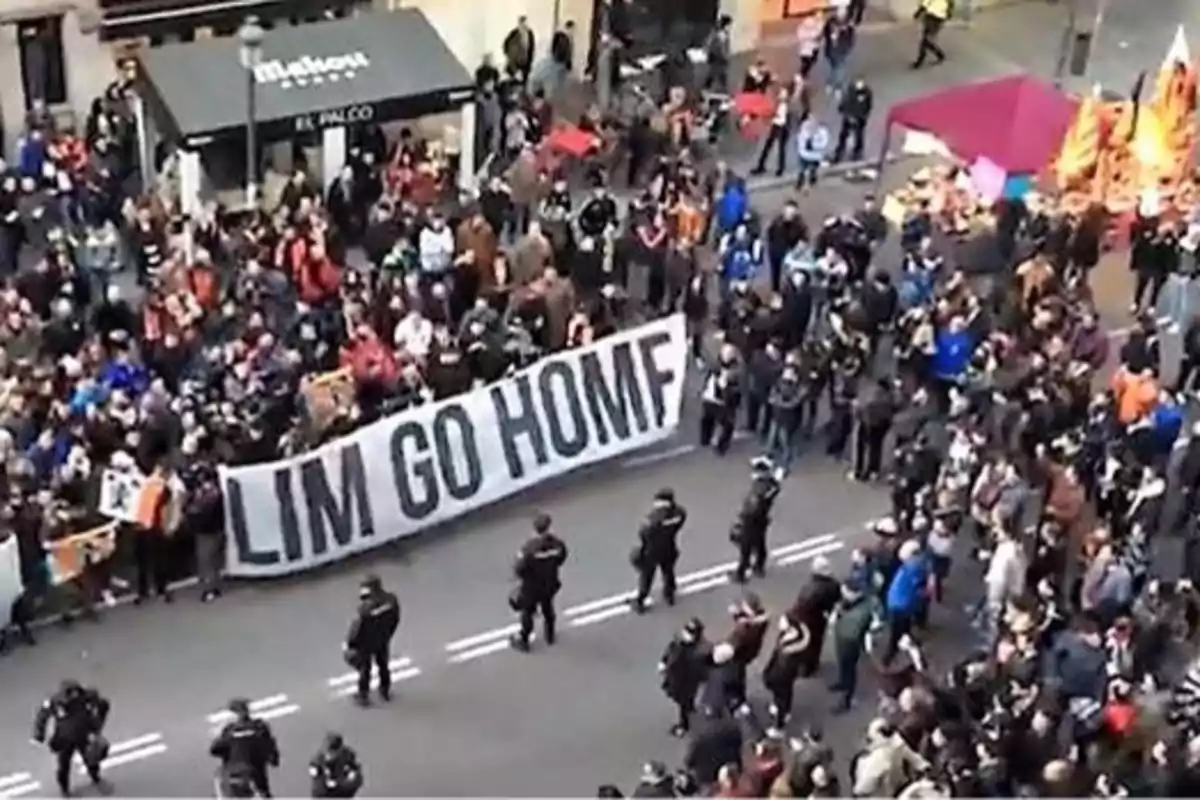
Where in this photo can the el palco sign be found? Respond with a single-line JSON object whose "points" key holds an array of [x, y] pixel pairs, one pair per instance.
{"points": [[333, 118]]}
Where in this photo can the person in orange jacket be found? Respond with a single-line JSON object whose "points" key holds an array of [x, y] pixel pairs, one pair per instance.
{"points": [[1135, 394]]}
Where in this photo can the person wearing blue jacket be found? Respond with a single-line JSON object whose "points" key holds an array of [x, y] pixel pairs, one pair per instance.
{"points": [[121, 374], [1166, 423], [31, 155], [732, 206], [952, 350], [904, 601], [741, 255]]}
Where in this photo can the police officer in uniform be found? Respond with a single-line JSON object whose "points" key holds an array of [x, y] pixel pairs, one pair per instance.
{"points": [[246, 747], [335, 770], [750, 529], [657, 549], [79, 715], [683, 669], [368, 644], [537, 566]]}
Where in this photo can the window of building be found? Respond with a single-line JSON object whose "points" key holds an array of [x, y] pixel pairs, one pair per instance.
{"points": [[43, 74]]}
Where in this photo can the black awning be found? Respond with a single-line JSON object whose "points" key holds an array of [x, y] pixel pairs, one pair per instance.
{"points": [[373, 67], [127, 19]]}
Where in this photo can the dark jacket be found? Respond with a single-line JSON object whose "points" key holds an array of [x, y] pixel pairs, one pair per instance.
{"points": [[715, 742]]}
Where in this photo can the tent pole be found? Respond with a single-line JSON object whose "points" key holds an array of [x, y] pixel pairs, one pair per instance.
{"points": [[882, 162]]}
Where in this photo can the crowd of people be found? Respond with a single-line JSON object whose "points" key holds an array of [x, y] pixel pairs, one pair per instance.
{"points": [[140, 339], [1013, 454], [974, 402]]}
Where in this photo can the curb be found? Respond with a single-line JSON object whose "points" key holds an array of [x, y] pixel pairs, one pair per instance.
{"points": [[770, 182]]}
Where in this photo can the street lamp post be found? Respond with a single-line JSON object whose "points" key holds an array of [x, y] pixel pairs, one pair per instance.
{"points": [[251, 35]]}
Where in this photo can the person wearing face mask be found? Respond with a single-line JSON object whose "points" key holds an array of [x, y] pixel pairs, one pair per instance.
{"points": [[683, 669]]}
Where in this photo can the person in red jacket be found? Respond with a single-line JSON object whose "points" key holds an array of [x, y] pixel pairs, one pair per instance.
{"points": [[317, 277], [371, 361]]}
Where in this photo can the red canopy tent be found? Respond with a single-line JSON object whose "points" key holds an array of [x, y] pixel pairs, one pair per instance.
{"points": [[1017, 122]]}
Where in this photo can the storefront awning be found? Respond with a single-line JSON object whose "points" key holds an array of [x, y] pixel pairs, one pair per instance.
{"points": [[374, 67]]}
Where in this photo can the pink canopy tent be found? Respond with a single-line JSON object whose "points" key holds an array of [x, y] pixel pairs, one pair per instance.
{"points": [[1017, 122]]}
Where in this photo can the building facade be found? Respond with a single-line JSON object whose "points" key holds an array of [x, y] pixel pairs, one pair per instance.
{"points": [[65, 52]]}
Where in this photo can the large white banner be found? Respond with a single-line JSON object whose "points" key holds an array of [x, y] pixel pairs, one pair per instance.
{"points": [[430, 464], [10, 577]]}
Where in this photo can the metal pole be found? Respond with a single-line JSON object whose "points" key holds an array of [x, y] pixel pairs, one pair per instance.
{"points": [[1097, 23], [604, 55], [1064, 46], [251, 138]]}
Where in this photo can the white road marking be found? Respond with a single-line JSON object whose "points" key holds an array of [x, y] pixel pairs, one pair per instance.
{"points": [[591, 607], [395, 665], [704, 586], [675, 452], [129, 750], [398, 676], [463, 656], [618, 605], [654, 458], [278, 711], [482, 638], [133, 755], [21, 790], [786, 549], [257, 707], [808, 555], [601, 616], [15, 778]]}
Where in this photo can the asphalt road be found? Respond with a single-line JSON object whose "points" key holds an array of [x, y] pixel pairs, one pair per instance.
{"points": [[476, 709]]}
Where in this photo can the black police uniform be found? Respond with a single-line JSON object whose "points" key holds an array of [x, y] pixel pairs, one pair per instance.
{"points": [[335, 770], [368, 644], [537, 567], [79, 715], [657, 549], [750, 529], [247, 747], [683, 669]]}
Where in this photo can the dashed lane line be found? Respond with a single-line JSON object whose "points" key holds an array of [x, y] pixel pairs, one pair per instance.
{"points": [[706, 584], [401, 670], [20, 790], [605, 608], [21, 784], [267, 708], [129, 751], [18, 784]]}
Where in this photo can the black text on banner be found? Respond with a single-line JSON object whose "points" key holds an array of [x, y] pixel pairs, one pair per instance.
{"points": [[431, 464]]}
